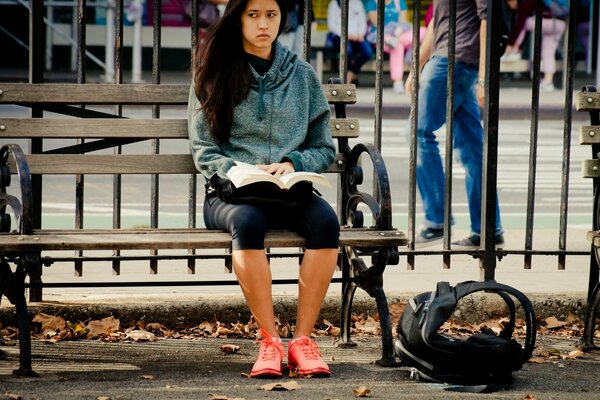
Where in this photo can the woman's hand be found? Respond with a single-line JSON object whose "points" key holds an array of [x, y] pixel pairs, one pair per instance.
{"points": [[278, 169]]}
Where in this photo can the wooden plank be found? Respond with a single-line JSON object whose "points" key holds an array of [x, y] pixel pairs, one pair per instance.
{"points": [[344, 127], [97, 93], [147, 128], [133, 93], [191, 239], [589, 135], [94, 128], [126, 164], [340, 93], [594, 238], [590, 168], [588, 101]]}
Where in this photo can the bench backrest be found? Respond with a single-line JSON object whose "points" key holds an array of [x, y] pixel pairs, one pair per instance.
{"points": [[102, 128]]}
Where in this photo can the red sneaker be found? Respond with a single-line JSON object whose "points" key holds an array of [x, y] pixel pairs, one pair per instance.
{"points": [[304, 357], [270, 356]]}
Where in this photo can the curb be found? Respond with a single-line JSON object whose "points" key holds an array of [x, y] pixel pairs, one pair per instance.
{"points": [[190, 312]]}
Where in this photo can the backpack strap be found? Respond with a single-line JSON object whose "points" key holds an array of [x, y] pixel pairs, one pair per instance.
{"points": [[465, 288]]}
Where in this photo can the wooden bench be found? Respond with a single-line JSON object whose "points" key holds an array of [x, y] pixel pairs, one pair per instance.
{"points": [[588, 100], [85, 117]]}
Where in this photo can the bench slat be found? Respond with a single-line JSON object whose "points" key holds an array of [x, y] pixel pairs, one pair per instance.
{"points": [[138, 93], [72, 164], [590, 168], [587, 101], [594, 238], [189, 239], [95, 128], [589, 135]]}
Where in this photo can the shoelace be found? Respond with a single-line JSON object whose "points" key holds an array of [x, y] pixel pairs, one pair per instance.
{"points": [[309, 348], [269, 346], [270, 350]]}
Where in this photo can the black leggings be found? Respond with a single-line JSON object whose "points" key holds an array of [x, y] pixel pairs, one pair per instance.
{"points": [[315, 220]]}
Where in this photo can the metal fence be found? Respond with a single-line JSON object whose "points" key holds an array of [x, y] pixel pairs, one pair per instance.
{"points": [[487, 255]]}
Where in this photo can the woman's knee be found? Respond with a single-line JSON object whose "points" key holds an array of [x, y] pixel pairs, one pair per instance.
{"points": [[248, 227]]}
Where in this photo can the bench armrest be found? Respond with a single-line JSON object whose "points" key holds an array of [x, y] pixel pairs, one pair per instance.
{"points": [[13, 161], [379, 203]]}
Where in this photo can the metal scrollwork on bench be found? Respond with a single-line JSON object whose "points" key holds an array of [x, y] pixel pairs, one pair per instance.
{"points": [[12, 284], [369, 279]]}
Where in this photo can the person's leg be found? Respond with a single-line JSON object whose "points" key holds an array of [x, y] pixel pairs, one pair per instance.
{"points": [[431, 116], [396, 61], [316, 271], [468, 143], [248, 225], [319, 224], [552, 30], [528, 27], [252, 270], [362, 52]]}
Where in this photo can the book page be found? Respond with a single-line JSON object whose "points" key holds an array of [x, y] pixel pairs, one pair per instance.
{"points": [[292, 178], [244, 174]]}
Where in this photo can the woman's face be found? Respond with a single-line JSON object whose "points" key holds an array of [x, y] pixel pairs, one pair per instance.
{"points": [[260, 24]]}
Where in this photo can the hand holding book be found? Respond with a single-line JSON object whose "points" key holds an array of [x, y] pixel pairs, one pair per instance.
{"points": [[244, 174]]}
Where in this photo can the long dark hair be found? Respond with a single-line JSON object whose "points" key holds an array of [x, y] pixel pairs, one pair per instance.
{"points": [[222, 76]]}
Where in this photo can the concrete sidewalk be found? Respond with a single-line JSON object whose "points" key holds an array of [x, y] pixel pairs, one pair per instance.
{"points": [[197, 369]]}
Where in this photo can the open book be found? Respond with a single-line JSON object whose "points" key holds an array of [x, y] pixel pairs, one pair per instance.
{"points": [[243, 174]]}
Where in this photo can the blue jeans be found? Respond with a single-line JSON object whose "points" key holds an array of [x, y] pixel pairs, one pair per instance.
{"points": [[358, 52], [468, 140]]}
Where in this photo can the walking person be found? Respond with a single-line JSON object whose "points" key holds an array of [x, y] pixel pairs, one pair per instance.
{"points": [[259, 103], [469, 82]]}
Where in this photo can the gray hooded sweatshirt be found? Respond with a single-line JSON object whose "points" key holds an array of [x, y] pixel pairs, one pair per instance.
{"points": [[285, 116]]}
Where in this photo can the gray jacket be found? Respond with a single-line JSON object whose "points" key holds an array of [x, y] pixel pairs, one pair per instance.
{"points": [[285, 115]]}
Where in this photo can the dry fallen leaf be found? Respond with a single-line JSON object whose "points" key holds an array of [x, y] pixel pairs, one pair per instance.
{"points": [[50, 322], [289, 385], [537, 360], [141, 336], [103, 327], [230, 348], [362, 391], [553, 323], [575, 354], [529, 397], [218, 397], [147, 377]]}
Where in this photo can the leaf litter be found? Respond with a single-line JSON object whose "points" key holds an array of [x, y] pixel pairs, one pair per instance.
{"points": [[53, 329]]}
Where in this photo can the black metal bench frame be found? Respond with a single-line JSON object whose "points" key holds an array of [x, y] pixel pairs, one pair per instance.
{"points": [[22, 245], [593, 297]]}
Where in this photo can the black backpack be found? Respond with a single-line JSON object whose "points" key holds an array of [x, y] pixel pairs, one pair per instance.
{"points": [[482, 359]]}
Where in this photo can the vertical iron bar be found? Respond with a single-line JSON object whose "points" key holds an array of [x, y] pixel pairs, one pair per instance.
{"points": [[344, 42], [414, 107], [116, 264], [564, 195], [307, 30], [449, 132], [80, 179], [192, 180], [594, 272], [154, 179], [378, 86], [490, 143], [535, 106], [37, 46]]}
